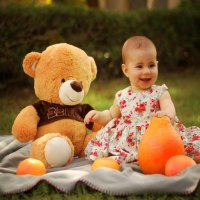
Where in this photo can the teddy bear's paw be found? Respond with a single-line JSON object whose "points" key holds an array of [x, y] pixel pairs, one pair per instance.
{"points": [[57, 152]]}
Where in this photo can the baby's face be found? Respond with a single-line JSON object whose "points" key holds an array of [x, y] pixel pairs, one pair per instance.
{"points": [[141, 68]]}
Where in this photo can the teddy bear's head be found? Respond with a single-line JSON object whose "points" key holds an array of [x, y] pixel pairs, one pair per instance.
{"points": [[62, 73]]}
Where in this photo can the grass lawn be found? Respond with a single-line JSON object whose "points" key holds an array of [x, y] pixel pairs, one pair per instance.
{"points": [[184, 92], [182, 87]]}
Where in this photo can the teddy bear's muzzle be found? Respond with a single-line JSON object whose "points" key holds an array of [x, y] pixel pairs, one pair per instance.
{"points": [[71, 92]]}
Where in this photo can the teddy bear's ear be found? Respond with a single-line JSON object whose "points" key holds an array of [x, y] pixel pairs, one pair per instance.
{"points": [[30, 62], [93, 67]]}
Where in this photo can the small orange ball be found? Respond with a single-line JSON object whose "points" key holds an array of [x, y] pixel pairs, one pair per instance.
{"points": [[177, 164], [31, 166], [105, 162]]}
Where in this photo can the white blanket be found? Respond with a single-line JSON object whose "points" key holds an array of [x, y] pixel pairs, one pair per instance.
{"points": [[128, 181]]}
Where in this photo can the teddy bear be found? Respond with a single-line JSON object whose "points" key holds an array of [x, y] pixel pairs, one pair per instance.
{"points": [[54, 125]]}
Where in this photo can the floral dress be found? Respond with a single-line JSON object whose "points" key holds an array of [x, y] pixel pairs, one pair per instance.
{"points": [[120, 138]]}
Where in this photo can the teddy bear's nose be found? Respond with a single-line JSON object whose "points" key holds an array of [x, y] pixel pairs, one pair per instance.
{"points": [[77, 86]]}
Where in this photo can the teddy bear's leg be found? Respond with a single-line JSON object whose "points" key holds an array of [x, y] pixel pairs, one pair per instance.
{"points": [[53, 149]]}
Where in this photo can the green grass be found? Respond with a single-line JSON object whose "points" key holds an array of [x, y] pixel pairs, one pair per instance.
{"points": [[46, 192], [184, 89]]}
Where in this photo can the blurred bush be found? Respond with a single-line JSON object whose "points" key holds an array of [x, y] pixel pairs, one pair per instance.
{"points": [[101, 34]]}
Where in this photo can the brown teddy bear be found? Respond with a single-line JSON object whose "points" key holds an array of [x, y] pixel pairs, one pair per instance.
{"points": [[62, 77]]}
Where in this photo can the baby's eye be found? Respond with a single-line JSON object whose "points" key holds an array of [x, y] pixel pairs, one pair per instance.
{"points": [[63, 80], [152, 65], [139, 66]]}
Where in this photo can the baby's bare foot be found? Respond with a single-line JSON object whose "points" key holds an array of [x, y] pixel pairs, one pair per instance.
{"points": [[197, 159]]}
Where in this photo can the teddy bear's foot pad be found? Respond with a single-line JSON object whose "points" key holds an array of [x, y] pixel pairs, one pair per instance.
{"points": [[57, 152]]}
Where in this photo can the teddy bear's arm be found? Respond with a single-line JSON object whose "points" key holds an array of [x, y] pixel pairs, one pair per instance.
{"points": [[96, 127], [25, 125]]}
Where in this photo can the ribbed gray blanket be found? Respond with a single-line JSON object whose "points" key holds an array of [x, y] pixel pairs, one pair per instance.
{"points": [[128, 181]]}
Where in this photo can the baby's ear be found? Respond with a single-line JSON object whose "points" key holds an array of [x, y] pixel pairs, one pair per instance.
{"points": [[30, 63], [125, 70], [93, 67]]}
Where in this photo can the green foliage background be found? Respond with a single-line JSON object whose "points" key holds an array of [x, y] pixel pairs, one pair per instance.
{"points": [[101, 34]]}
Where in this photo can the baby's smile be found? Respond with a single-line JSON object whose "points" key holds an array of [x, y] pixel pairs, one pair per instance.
{"points": [[145, 79]]}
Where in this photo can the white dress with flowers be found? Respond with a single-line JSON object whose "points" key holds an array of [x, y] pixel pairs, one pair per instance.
{"points": [[120, 137]]}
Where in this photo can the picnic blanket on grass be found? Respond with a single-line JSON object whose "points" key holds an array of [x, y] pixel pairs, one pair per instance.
{"points": [[129, 181]]}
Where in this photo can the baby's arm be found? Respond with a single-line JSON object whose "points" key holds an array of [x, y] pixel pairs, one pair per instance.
{"points": [[103, 117], [166, 106]]}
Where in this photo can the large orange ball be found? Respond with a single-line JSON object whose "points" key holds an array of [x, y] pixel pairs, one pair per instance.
{"points": [[158, 144], [105, 162], [31, 166], [177, 164]]}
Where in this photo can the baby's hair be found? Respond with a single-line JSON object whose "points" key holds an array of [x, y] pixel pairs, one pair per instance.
{"points": [[136, 43]]}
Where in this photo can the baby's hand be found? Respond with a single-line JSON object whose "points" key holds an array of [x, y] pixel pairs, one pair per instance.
{"points": [[91, 116], [161, 114]]}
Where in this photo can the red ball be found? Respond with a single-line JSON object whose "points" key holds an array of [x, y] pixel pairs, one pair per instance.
{"points": [[176, 164]]}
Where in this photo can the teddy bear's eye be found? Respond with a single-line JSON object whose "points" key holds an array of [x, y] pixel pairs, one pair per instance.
{"points": [[63, 80]]}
